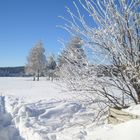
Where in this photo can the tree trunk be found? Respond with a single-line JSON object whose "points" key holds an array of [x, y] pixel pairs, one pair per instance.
{"points": [[38, 75], [34, 78], [137, 89], [138, 96], [52, 77]]}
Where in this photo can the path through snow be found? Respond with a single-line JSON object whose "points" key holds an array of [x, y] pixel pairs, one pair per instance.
{"points": [[50, 120], [8, 131]]}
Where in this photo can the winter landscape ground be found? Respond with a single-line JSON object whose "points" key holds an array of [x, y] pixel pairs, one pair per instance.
{"points": [[45, 111], [81, 78]]}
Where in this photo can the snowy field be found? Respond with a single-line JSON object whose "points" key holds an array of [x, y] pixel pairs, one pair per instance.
{"points": [[42, 110], [33, 90]]}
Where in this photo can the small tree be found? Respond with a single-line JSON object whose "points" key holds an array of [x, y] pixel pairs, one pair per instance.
{"points": [[36, 61], [72, 60], [51, 66]]}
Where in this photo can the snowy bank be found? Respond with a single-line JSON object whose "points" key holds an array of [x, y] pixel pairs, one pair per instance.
{"points": [[53, 120]]}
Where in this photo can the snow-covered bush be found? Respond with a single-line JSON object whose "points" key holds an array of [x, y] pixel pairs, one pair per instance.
{"points": [[115, 37]]}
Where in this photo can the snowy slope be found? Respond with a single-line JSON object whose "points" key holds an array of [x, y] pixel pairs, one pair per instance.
{"points": [[41, 111]]}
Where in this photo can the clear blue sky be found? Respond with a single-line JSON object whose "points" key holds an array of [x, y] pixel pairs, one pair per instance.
{"points": [[25, 22]]}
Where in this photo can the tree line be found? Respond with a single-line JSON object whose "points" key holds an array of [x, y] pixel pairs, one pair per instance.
{"points": [[52, 67], [12, 71]]}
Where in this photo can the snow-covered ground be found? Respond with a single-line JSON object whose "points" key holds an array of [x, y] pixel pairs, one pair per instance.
{"points": [[31, 90], [40, 110]]}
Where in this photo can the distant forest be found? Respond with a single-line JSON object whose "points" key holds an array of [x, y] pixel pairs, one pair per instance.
{"points": [[12, 71]]}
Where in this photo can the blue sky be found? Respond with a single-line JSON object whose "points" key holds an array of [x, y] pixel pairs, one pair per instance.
{"points": [[25, 22]]}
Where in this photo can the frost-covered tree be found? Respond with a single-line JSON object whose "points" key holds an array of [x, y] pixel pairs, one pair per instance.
{"points": [[114, 35], [72, 60], [73, 53], [36, 61]]}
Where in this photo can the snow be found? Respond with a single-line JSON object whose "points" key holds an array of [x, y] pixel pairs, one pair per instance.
{"points": [[40, 110], [50, 119], [124, 131], [134, 109], [31, 90], [8, 130]]}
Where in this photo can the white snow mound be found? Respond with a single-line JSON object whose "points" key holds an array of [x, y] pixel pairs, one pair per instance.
{"points": [[50, 120]]}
